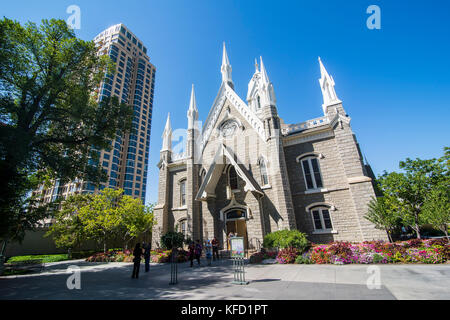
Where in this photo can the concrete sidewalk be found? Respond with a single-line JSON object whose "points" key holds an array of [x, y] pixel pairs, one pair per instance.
{"points": [[113, 281]]}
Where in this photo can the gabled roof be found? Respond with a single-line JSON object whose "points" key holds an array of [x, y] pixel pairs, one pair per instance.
{"points": [[227, 93], [215, 171]]}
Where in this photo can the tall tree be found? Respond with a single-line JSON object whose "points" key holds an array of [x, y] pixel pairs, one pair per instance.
{"points": [[407, 191], [437, 207], [51, 122], [383, 215], [100, 216]]}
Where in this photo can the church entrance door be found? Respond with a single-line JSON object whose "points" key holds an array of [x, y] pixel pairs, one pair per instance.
{"points": [[236, 223]]}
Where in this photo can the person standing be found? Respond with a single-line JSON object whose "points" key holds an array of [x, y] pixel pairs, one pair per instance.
{"points": [[198, 251], [147, 256], [215, 248], [208, 251], [191, 249], [137, 253]]}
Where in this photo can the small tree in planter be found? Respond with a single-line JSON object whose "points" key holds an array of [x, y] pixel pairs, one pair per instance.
{"points": [[172, 240], [286, 239]]}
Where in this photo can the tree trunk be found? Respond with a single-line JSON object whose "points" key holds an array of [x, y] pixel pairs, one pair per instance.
{"points": [[417, 231], [104, 246], [389, 235], [69, 254], [416, 216], [2, 257], [446, 232]]}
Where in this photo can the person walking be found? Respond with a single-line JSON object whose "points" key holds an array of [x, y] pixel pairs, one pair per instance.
{"points": [[147, 256], [208, 251], [137, 253], [215, 248], [191, 250], [198, 251]]}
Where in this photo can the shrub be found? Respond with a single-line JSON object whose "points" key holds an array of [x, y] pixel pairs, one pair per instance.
{"points": [[286, 239], [287, 255]]}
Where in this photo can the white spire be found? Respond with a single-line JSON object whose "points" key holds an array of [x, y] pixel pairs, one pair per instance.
{"points": [[256, 65], [226, 68], [264, 76], [327, 86], [167, 136], [193, 111]]}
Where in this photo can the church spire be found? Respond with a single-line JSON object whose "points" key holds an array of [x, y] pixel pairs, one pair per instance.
{"points": [[193, 111], [167, 136], [226, 68], [264, 76], [327, 86], [267, 94]]}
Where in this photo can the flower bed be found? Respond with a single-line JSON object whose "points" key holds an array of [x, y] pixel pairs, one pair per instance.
{"points": [[413, 251], [157, 256]]}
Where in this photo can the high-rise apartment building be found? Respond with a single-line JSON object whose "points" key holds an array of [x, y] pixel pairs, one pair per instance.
{"points": [[133, 83]]}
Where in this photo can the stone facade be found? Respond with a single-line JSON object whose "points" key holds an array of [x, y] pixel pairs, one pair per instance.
{"points": [[247, 172]]}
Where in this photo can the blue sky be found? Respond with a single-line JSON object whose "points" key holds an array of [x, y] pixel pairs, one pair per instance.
{"points": [[394, 82]]}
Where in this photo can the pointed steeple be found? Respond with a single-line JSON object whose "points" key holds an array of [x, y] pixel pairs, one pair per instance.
{"points": [[167, 136], [264, 76], [267, 93], [226, 68], [327, 86], [256, 66], [192, 113]]}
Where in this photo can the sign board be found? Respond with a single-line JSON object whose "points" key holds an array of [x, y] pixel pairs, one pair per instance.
{"points": [[237, 247]]}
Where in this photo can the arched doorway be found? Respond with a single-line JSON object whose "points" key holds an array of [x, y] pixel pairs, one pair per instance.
{"points": [[235, 222]]}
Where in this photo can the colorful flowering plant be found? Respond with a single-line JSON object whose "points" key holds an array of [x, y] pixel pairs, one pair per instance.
{"points": [[287, 255], [320, 254], [412, 251]]}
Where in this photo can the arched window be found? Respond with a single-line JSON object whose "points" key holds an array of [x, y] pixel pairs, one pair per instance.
{"points": [[321, 219], [183, 192], [233, 178], [311, 172], [263, 171], [258, 100], [182, 227]]}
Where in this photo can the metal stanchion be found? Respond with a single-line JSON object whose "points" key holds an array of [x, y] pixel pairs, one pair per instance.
{"points": [[239, 271], [173, 267]]}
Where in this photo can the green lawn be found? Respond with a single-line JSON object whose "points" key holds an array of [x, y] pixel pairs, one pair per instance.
{"points": [[38, 258]]}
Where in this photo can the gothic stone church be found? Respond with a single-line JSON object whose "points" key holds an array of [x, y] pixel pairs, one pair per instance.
{"points": [[248, 172]]}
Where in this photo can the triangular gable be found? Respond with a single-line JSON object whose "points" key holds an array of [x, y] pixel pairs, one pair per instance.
{"points": [[215, 171], [226, 92]]}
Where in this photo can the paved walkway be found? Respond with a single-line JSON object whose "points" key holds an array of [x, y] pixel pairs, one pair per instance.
{"points": [[113, 281]]}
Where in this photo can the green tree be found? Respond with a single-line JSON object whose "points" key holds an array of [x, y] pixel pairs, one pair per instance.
{"points": [[172, 239], [51, 124], [100, 216], [68, 231], [437, 207], [407, 191], [136, 219], [383, 215]]}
